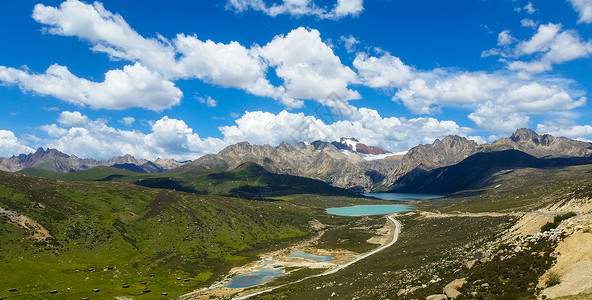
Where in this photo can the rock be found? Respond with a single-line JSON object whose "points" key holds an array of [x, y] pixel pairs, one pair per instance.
{"points": [[471, 263], [485, 260], [437, 297], [451, 289], [485, 285]]}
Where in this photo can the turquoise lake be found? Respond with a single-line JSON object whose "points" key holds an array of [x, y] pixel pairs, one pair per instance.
{"points": [[366, 210], [306, 255], [254, 278], [403, 196]]}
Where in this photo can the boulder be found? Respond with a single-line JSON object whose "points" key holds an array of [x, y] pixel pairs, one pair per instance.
{"points": [[437, 297], [451, 289]]}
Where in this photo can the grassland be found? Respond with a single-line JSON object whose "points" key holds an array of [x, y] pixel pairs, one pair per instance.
{"points": [[126, 233]]}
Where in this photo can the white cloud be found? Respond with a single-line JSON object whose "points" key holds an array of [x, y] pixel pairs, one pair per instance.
{"points": [[345, 8], [228, 65], [440, 87], [10, 145], [77, 134], [298, 8], [584, 9], [548, 46], [500, 119], [529, 23], [349, 43], [134, 86], [394, 134], [128, 121], [505, 38], [582, 132], [72, 119], [308, 67], [382, 72], [537, 98], [209, 101], [529, 8], [107, 32]]}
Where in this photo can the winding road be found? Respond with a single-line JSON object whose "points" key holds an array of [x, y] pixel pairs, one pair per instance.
{"points": [[396, 233]]}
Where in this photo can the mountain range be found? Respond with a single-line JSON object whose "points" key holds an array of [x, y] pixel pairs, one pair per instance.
{"points": [[352, 165], [56, 161]]}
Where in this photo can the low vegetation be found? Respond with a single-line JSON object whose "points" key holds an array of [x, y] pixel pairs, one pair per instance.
{"points": [[557, 221], [108, 235]]}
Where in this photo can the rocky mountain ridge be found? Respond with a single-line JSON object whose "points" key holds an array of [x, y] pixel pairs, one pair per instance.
{"points": [[57, 161], [318, 160]]}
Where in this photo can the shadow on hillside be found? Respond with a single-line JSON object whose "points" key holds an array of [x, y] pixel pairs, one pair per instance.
{"points": [[167, 183], [477, 171]]}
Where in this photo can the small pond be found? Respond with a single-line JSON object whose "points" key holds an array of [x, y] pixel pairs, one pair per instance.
{"points": [[311, 256], [366, 210], [403, 196], [254, 278]]}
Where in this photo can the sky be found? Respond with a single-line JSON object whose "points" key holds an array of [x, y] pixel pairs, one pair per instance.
{"points": [[180, 79]]}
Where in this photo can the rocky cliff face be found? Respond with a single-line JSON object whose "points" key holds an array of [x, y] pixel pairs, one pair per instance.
{"points": [[319, 160], [56, 161]]}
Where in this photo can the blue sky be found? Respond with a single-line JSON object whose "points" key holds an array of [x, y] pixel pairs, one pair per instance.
{"points": [[184, 78]]}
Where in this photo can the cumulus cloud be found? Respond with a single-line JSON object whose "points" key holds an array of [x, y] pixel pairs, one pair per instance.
{"points": [[298, 8], [308, 67], [128, 121], [134, 86], [10, 145], [500, 119], [306, 64], [77, 134], [550, 45], [394, 134], [581, 132], [73, 119], [584, 9], [536, 98], [432, 90], [382, 72]]}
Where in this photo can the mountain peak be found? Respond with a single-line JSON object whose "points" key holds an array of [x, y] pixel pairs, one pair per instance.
{"points": [[525, 134]]}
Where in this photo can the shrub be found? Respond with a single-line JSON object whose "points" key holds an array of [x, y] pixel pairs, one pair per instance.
{"points": [[553, 279], [549, 226], [566, 216]]}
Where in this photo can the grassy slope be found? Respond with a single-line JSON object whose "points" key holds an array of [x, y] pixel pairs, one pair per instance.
{"points": [[249, 181], [93, 174], [520, 190], [139, 231]]}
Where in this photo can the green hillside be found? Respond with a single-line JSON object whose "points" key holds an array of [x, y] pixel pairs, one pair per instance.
{"points": [[249, 181], [93, 174], [106, 235]]}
